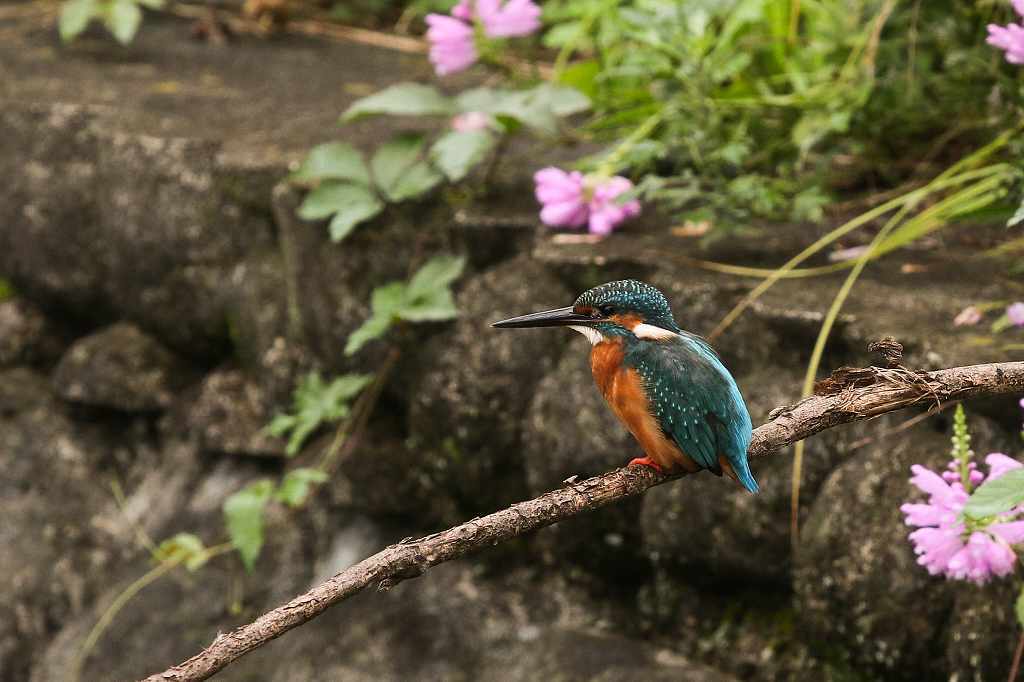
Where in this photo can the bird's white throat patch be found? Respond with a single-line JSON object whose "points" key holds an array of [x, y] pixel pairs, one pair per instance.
{"points": [[652, 332], [592, 334]]}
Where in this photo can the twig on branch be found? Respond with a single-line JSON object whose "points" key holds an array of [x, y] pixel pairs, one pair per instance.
{"points": [[849, 395]]}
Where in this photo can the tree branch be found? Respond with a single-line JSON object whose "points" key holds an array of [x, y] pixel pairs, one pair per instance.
{"points": [[848, 395]]}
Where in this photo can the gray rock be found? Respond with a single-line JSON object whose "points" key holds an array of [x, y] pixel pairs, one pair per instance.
{"points": [[120, 367], [26, 336], [983, 631], [229, 416], [56, 553], [111, 225], [455, 625], [467, 404], [48, 154]]}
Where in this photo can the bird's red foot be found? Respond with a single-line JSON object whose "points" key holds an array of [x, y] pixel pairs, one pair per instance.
{"points": [[646, 462]]}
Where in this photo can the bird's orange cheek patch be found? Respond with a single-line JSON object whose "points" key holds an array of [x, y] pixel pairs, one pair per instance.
{"points": [[627, 320]]}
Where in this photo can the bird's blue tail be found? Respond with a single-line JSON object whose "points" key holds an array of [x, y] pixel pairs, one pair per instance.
{"points": [[743, 474]]}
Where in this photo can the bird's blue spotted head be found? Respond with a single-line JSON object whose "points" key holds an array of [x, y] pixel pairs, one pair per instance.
{"points": [[627, 303], [623, 308]]}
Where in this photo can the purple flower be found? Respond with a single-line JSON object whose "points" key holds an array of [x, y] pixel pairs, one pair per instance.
{"points": [[507, 19], [561, 197], [1015, 311], [472, 120], [1009, 38], [451, 44], [605, 210]]}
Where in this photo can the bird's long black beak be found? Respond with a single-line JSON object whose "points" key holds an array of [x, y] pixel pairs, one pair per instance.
{"points": [[560, 317]]}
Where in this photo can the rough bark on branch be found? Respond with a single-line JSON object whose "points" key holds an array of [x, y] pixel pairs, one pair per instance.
{"points": [[848, 395]]}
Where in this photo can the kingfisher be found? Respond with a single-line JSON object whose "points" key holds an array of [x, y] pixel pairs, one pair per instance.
{"points": [[667, 386]]}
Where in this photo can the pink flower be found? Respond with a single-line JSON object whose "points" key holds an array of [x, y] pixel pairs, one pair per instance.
{"points": [[605, 211], [509, 18], [935, 547], [1010, 531], [571, 200], [981, 558], [472, 120], [561, 197], [463, 10], [1009, 38], [1019, 6], [942, 543], [1015, 312], [999, 464], [451, 44]]}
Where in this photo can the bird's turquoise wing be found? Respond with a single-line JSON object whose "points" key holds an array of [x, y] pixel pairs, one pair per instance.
{"points": [[697, 403]]}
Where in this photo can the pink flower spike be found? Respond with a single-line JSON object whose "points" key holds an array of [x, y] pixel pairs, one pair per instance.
{"points": [[561, 197], [925, 514], [511, 18], [605, 210], [935, 547], [1019, 6], [472, 120], [1010, 531], [1009, 38], [938, 490], [999, 464], [451, 44]]}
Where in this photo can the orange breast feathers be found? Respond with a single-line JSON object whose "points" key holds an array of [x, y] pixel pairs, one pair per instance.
{"points": [[623, 389]]}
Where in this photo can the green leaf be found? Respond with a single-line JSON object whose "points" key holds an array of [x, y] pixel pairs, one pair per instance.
{"points": [[563, 100], [582, 76], [373, 328], [333, 161], [281, 425], [388, 298], [393, 161], [434, 307], [184, 547], [315, 403], [152, 4], [403, 99], [296, 485], [455, 153], [243, 515], [122, 18], [332, 197], [417, 180], [1020, 607], [1001, 323], [75, 15], [998, 496], [349, 204], [1017, 217], [437, 273]]}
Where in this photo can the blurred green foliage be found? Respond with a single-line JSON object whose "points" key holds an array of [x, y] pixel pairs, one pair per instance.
{"points": [[768, 107]]}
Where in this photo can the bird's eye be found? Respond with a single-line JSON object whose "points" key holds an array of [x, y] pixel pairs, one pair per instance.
{"points": [[606, 310]]}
